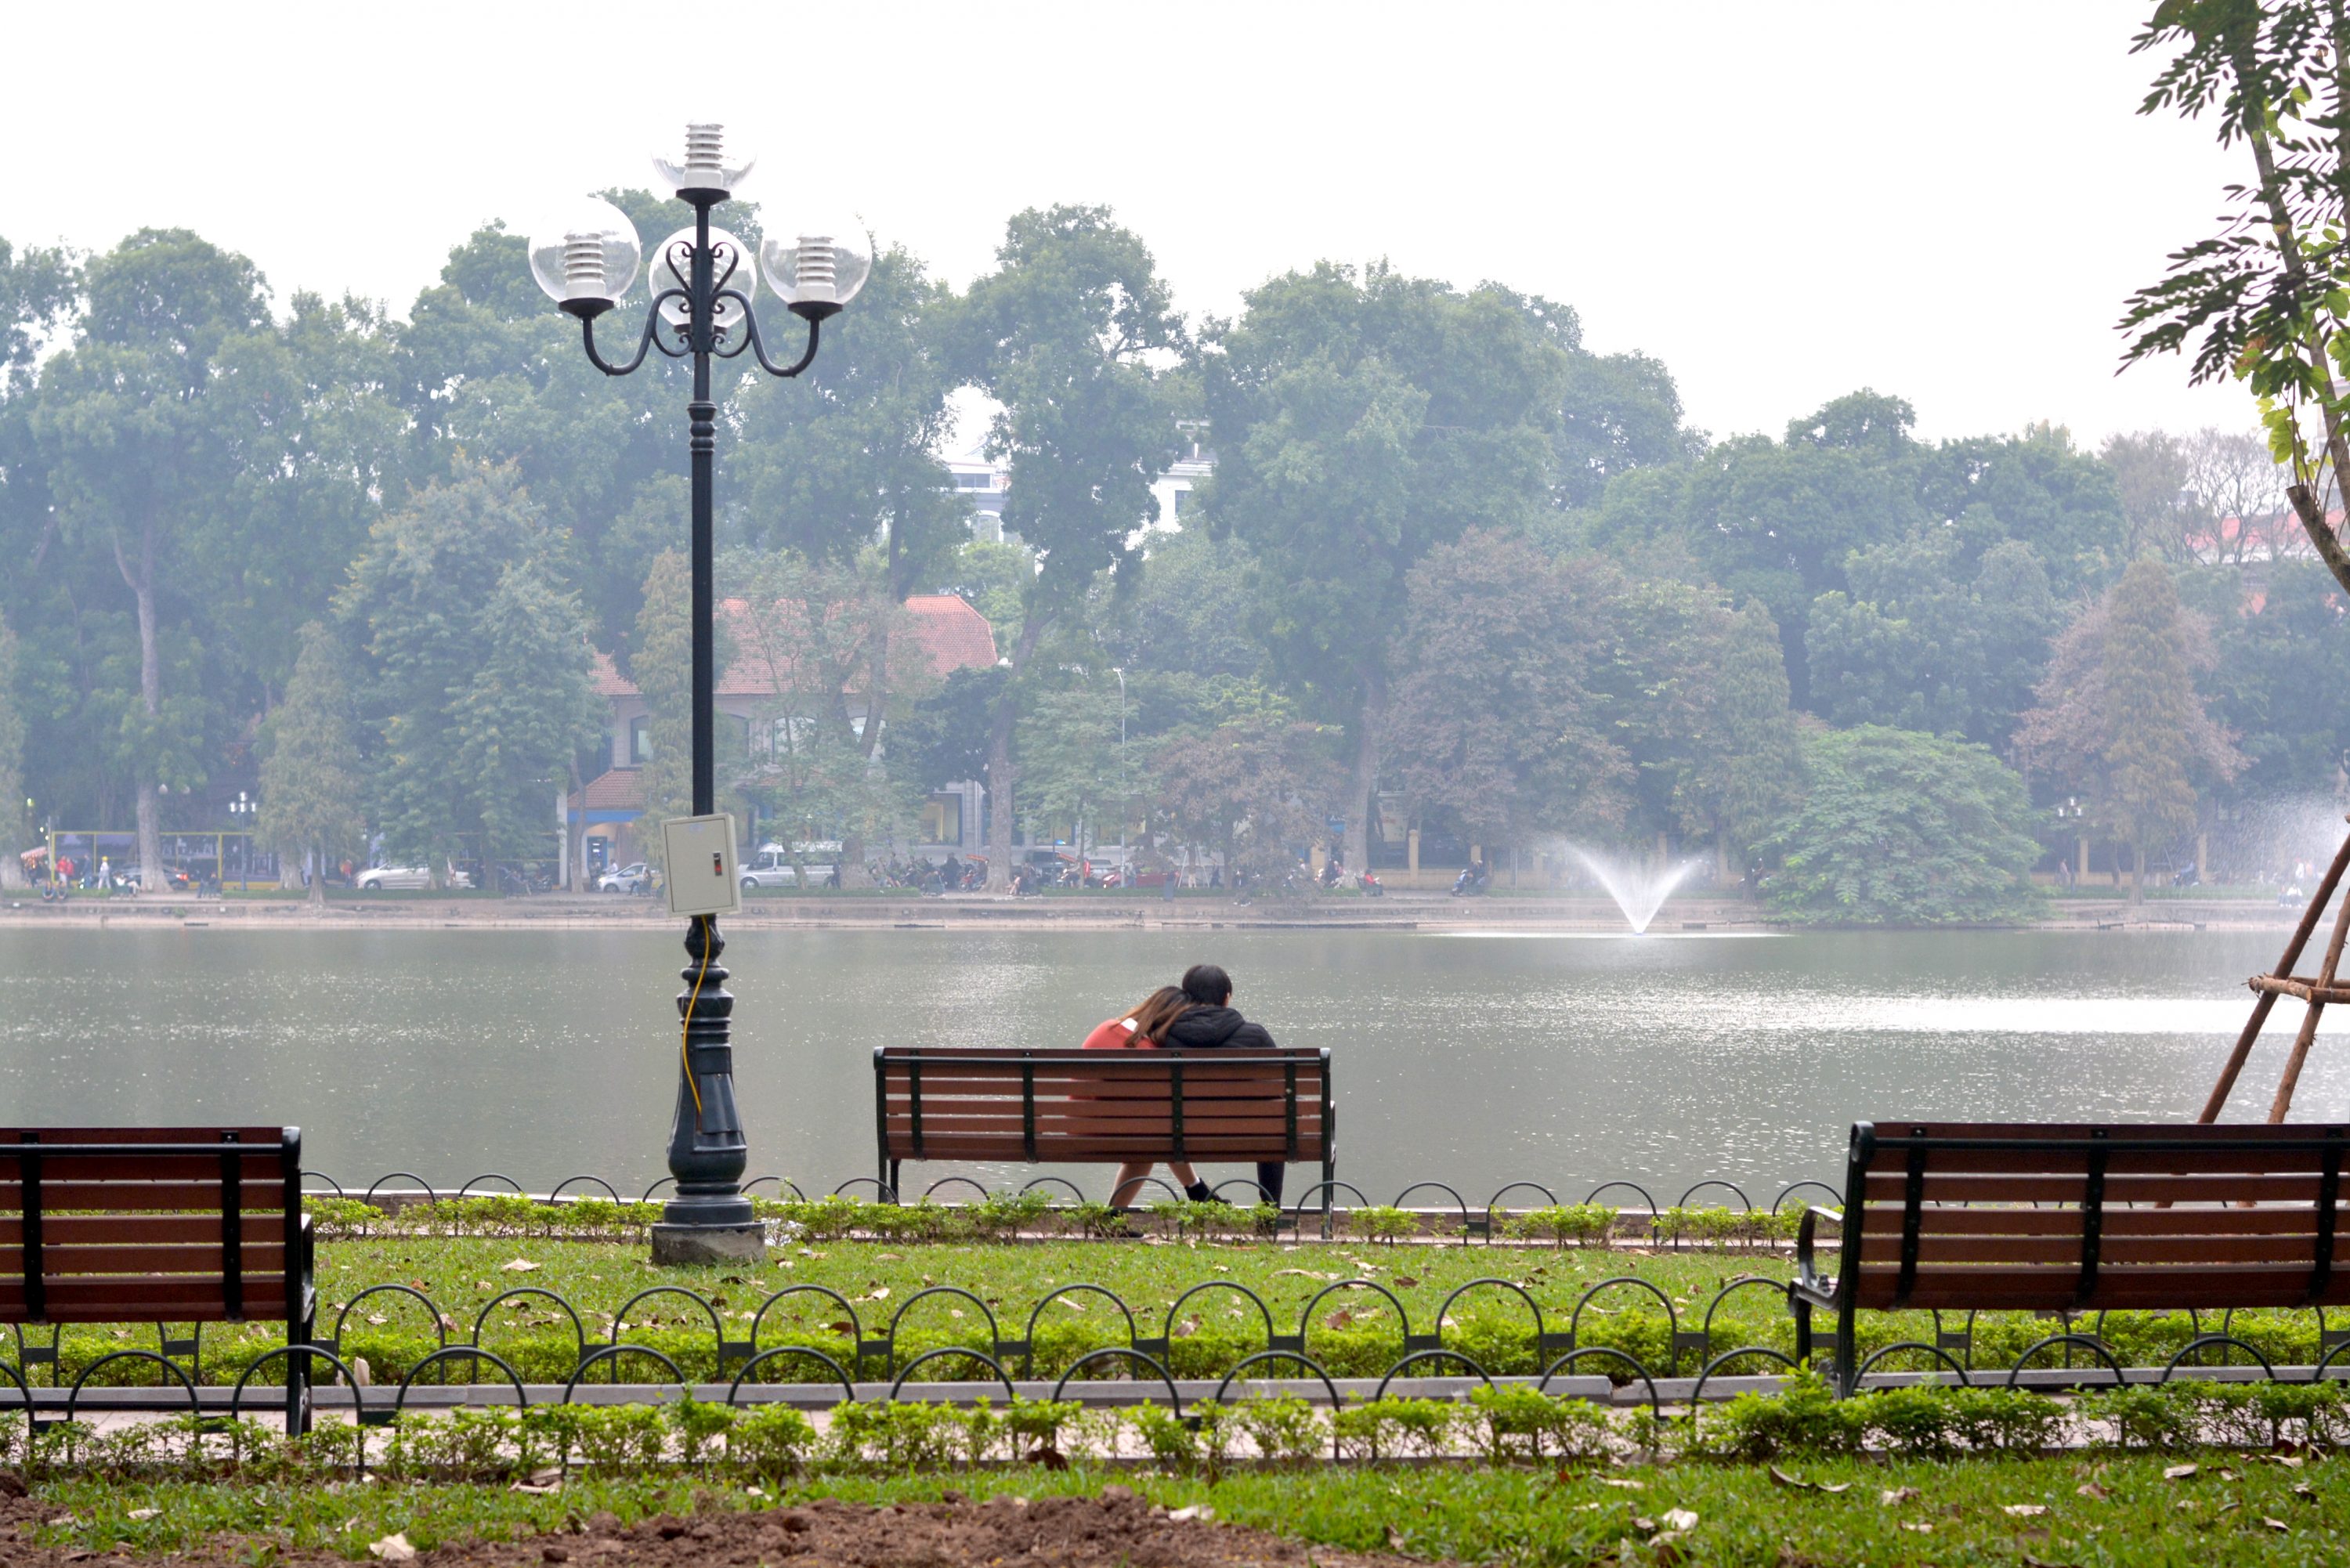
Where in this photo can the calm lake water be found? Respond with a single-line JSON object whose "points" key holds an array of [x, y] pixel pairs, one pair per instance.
{"points": [[1476, 1060]]}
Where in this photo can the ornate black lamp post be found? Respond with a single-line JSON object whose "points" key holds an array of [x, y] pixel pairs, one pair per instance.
{"points": [[701, 283]]}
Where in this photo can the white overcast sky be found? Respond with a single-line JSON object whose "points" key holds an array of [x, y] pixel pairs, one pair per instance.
{"points": [[1782, 201]]}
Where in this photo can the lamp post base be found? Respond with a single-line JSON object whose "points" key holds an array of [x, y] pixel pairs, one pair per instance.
{"points": [[710, 1243]]}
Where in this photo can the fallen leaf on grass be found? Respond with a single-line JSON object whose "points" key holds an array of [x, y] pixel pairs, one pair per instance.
{"points": [[880, 1293], [2180, 1472], [1405, 1282], [394, 1548], [1198, 1510], [1626, 1485], [2276, 1524], [2304, 1491], [1917, 1527], [1897, 1497], [519, 1266], [145, 1512], [1799, 1484], [2093, 1491], [1680, 1518], [2024, 1509]]}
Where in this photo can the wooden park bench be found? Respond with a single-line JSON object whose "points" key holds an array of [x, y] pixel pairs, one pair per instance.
{"points": [[2060, 1218], [1043, 1107], [162, 1225]]}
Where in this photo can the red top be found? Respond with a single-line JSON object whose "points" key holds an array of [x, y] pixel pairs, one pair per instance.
{"points": [[1114, 1035]]}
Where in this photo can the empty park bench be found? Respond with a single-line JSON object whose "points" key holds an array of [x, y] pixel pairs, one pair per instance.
{"points": [[161, 1225], [2026, 1217], [1097, 1107]]}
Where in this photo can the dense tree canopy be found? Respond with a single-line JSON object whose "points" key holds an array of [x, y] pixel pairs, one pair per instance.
{"points": [[1903, 828], [1449, 570]]}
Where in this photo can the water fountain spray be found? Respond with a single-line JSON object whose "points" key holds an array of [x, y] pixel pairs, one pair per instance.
{"points": [[1638, 890]]}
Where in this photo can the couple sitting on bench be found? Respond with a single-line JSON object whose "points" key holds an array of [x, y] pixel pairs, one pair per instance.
{"points": [[1196, 1015]]}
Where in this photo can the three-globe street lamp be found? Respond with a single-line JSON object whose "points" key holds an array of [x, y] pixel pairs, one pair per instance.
{"points": [[701, 283]]}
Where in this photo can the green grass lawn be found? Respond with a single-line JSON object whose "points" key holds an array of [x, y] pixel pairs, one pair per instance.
{"points": [[2091, 1509]]}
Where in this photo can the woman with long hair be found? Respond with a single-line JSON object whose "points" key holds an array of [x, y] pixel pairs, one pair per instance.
{"points": [[1144, 1028]]}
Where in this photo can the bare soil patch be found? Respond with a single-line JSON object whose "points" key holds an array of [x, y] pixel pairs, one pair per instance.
{"points": [[1115, 1528]]}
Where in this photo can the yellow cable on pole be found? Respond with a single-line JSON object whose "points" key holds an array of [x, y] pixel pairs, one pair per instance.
{"points": [[685, 1024]]}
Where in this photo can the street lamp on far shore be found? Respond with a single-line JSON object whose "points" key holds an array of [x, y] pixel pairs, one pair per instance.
{"points": [[700, 283]]}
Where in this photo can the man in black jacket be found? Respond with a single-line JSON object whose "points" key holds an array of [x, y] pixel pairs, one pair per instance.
{"points": [[1213, 1023]]}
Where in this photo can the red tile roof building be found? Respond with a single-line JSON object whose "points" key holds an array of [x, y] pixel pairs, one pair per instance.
{"points": [[950, 632]]}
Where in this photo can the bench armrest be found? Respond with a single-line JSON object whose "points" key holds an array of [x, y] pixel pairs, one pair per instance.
{"points": [[1808, 1285]]}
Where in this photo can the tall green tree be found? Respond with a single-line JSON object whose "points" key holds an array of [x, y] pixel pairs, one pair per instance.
{"points": [[312, 780], [1750, 770], [423, 600], [529, 705], [2120, 719], [2266, 300], [1697, 707], [845, 457], [1921, 642], [1777, 520], [1493, 720], [1901, 828], [2267, 633], [329, 443], [144, 424], [1362, 420], [1077, 765], [1067, 333]]}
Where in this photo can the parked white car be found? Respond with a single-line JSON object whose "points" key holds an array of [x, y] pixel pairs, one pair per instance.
{"points": [[772, 866], [636, 878], [376, 878]]}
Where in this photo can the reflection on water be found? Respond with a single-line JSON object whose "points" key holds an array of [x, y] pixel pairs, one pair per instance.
{"points": [[1561, 1060]]}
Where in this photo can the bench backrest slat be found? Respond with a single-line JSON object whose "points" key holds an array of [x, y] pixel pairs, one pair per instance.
{"points": [[951, 1103], [131, 1224], [2088, 1216]]}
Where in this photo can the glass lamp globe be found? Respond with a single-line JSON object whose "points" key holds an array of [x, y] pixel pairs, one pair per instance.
{"points": [[730, 267], [709, 163], [586, 250], [819, 265]]}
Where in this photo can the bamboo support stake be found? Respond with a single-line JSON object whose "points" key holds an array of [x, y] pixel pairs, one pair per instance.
{"points": [[2301, 935], [2302, 1042]]}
